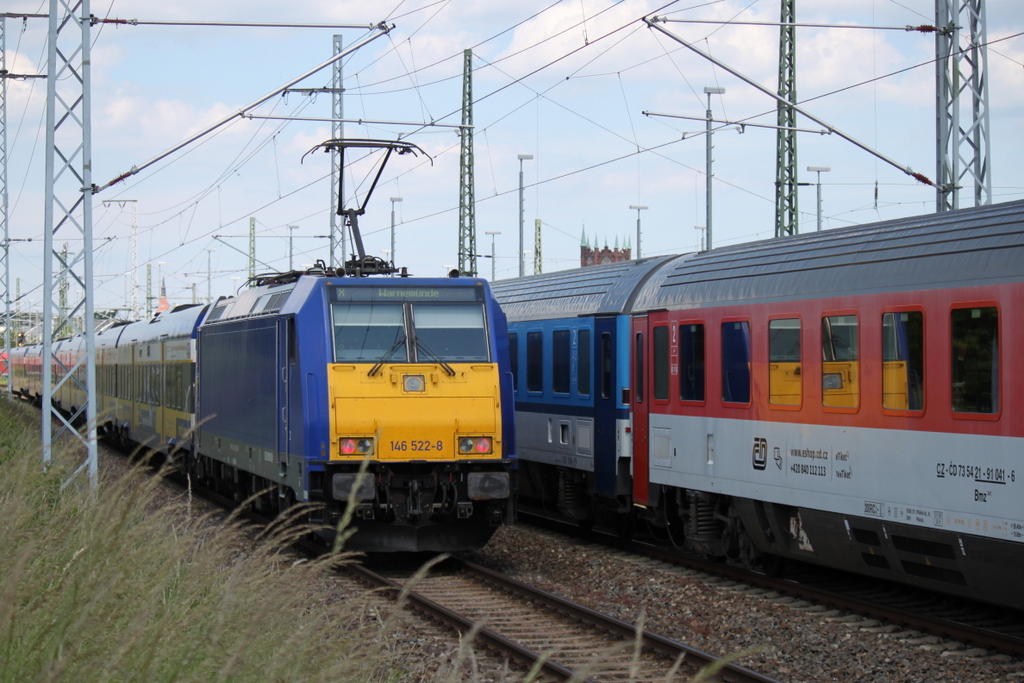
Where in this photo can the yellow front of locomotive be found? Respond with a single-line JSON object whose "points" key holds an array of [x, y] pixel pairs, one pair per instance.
{"points": [[415, 390]]}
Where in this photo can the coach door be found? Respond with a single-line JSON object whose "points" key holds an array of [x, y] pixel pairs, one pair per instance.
{"points": [[640, 407], [606, 408]]}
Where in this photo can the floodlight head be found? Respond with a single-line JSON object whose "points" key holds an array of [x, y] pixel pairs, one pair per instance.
{"points": [[638, 208], [713, 90], [818, 169], [525, 157]]}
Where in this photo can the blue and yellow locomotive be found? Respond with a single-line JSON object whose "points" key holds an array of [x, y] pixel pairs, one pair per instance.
{"points": [[301, 382], [287, 391]]}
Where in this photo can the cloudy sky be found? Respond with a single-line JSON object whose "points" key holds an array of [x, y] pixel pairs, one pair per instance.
{"points": [[567, 82]]}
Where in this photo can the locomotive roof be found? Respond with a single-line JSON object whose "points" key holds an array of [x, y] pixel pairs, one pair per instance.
{"points": [[983, 245], [603, 289]]}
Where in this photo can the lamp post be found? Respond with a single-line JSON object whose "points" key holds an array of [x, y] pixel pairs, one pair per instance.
{"points": [[522, 265], [638, 210], [819, 170], [393, 201], [492, 233], [291, 233], [709, 91], [209, 252]]}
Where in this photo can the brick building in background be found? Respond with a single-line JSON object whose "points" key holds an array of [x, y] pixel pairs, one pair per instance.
{"points": [[593, 255]]}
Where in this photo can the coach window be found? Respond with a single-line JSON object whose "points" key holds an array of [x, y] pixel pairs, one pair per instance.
{"points": [[660, 338], [561, 354], [691, 357], [513, 358], [607, 366], [903, 360], [975, 363], [736, 362], [784, 379], [840, 372], [583, 364], [534, 361]]}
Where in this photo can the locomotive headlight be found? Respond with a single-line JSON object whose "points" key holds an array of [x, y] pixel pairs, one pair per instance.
{"points": [[355, 446], [488, 485], [480, 445], [831, 380], [413, 383]]}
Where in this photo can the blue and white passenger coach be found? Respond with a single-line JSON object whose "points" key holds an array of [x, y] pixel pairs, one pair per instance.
{"points": [[568, 332], [303, 381]]}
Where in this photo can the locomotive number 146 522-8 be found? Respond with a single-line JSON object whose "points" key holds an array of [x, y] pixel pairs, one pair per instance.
{"points": [[417, 445]]}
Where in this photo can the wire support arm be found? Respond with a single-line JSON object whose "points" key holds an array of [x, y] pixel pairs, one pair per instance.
{"points": [[382, 29], [231, 24], [654, 21]]}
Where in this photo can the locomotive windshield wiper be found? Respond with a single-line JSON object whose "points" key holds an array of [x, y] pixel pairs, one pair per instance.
{"points": [[399, 343], [434, 357]]}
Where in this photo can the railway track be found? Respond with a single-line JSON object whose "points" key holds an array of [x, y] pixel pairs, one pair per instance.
{"points": [[974, 624], [558, 638], [546, 633]]}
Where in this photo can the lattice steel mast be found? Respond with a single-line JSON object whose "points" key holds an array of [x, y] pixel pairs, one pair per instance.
{"points": [[538, 258], [338, 255], [6, 271], [467, 191], [962, 153], [69, 191], [786, 205]]}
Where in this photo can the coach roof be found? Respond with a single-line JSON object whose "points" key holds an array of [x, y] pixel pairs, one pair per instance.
{"points": [[595, 290], [977, 246]]}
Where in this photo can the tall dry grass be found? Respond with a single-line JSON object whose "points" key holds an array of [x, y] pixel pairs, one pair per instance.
{"points": [[122, 585]]}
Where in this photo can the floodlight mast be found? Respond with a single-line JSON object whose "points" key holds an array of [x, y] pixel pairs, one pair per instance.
{"points": [[361, 264]]}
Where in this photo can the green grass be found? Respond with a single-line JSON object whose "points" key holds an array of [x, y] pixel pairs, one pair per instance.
{"points": [[124, 586]]}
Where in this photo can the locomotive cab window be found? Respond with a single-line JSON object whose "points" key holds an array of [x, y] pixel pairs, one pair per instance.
{"points": [[450, 332], [840, 371], [366, 333], [785, 385], [975, 360], [903, 360]]}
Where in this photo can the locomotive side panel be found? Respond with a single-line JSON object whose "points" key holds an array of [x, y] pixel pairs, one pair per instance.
{"points": [[238, 412]]}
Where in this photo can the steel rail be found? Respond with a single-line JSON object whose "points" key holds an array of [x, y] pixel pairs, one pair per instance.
{"points": [[492, 638]]}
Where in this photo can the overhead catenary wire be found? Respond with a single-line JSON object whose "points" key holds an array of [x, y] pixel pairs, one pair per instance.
{"points": [[382, 30]]}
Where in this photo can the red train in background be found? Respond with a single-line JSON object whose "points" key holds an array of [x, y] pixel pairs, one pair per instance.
{"points": [[852, 398]]}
